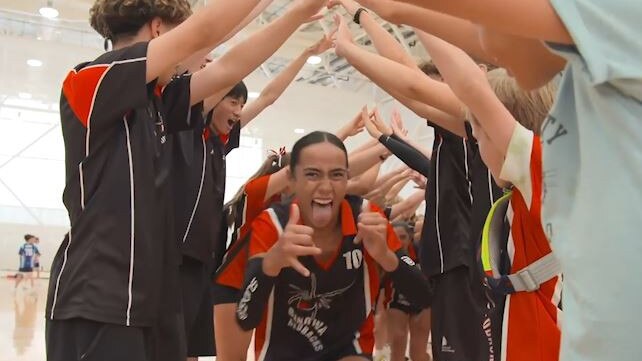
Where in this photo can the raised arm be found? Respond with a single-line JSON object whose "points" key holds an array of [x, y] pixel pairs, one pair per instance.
{"points": [[394, 76], [277, 86], [535, 19], [202, 30], [471, 86], [406, 153], [246, 56], [365, 182], [353, 127], [408, 205]]}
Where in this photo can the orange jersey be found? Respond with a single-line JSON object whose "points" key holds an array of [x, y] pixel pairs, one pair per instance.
{"points": [[530, 327], [251, 205], [310, 318]]}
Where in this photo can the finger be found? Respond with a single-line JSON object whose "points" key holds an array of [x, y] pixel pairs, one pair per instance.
{"points": [[358, 238], [315, 18], [302, 240], [337, 20], [299, 229], [294, 263], [301, 251], [373, 220], [295, 215]]}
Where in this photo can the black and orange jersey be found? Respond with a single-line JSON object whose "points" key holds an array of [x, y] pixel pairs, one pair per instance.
{"points": [[309, 318], [484, 189], [445, 242], [252, 203], [531, 329], [395, 299], [199, 169], [110, 266]]}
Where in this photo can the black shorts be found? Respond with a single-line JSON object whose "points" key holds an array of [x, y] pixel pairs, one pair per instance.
{"points": [[346, 351], [26, 269], [36, 265], [197, 308], [223, 294], [405, 308], [464, 322], [80, 339]]}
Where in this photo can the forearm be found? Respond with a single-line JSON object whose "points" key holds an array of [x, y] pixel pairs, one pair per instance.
{"points": [[258, 9], [528, 18], [246, 56], [274, 89], [470, 84], [410, 281], [395, 189], [255, 294], [449, 122], [407, 154], [365, 146], [365, 182], [394, 77], [408, 205], [364, 160], [384, 43]]}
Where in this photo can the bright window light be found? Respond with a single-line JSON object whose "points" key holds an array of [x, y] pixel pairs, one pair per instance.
{"points": [[299, 131], [253, 95], [34, 63], [48, 12]]}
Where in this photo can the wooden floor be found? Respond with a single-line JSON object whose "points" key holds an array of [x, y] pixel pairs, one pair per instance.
{"points": [[22, 320]]}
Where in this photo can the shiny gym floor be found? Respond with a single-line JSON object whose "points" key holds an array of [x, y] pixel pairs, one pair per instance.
{"points": [[22, 320]]}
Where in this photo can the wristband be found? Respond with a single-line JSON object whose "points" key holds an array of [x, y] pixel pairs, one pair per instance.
{"points": [[357, 15]]}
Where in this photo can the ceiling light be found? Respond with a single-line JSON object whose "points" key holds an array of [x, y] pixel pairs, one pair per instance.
{"points": [[49, 11], [34, 62], [299, 131], [253, 95], [23, 95], [314, 60]]}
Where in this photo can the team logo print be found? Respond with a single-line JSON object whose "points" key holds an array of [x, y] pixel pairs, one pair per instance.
{"points": [[309, 300], [304, 306]]}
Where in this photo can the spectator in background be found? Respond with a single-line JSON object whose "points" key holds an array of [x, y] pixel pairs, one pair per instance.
{"points": [[28, 253]]}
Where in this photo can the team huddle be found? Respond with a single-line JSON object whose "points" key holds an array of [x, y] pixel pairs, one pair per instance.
{"points": [[534, 104]]}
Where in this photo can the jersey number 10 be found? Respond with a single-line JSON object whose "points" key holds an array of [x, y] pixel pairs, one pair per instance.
{"points": [[353, 259]]}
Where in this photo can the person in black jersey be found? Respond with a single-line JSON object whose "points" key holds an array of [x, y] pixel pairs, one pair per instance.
{"points": [[448, 251], [200, 170], [314, 264], [405, 318], [117, 112]]}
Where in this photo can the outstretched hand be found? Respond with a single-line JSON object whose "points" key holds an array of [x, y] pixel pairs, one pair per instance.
{"points": [[351, 6], [371, 127], [296, 241], [378, 121], [397, 124], [342, 36], [322, 45]]}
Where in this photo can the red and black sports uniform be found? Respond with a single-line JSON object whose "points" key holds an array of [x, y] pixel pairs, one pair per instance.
{"points": [[397, 300], [115, 273], [328, 315], [485, 194], [448, 254], [229, 277], [199, 169]]}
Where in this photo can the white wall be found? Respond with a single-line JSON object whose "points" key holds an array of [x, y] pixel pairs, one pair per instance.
{"points": [[12, 237]]}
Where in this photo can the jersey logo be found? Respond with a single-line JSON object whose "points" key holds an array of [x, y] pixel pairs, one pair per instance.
{"points": [[445, 347], [353, 259], [309, 300], [304, 305]]}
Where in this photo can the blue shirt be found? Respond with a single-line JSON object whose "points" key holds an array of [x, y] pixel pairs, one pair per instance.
{"points": [[27, 254], [592, 149]]}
